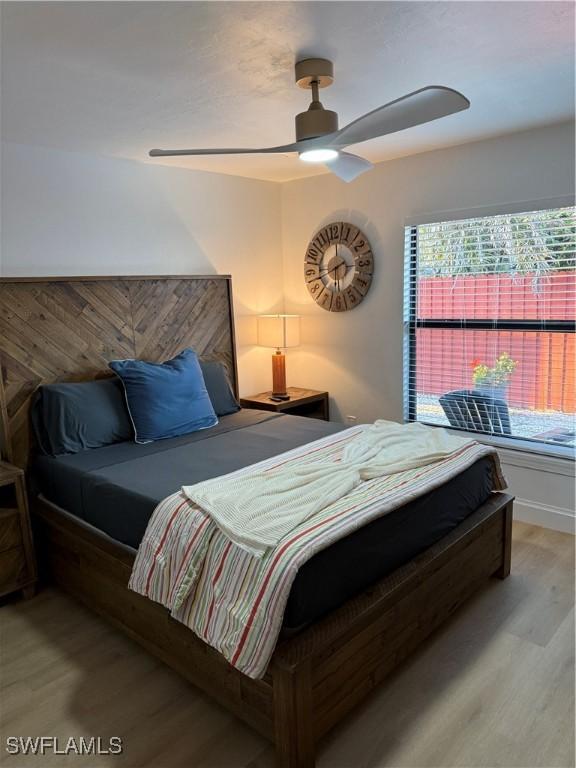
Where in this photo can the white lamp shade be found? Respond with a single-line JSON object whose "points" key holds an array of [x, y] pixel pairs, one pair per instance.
{"points": [[279, 331]]}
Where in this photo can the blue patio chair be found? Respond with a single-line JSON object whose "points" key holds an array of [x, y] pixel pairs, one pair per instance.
{"points": [[473, 410]]}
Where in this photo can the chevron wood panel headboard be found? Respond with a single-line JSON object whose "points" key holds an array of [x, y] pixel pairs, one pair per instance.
{"points": [[68, 329]]}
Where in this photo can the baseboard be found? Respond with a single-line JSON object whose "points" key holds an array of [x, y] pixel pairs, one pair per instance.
{"points": [[544, 515]]}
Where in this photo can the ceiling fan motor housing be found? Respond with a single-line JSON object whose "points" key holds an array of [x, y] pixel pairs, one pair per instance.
{"points": [[316, 121]]}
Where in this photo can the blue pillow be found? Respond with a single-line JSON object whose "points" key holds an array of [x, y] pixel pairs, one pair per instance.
{"points": [[218, 385], [73, 417], [165, 399]]}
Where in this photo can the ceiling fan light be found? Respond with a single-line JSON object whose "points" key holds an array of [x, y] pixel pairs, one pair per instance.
{"points": [[318, 155]]}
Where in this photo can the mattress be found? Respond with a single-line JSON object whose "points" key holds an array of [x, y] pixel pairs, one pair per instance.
{"points": [[116, 489]]}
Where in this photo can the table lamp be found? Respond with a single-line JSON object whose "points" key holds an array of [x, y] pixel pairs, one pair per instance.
{"points": [[280, 331]]}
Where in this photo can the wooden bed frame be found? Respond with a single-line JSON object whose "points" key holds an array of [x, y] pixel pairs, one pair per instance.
{"points": [[316, 677]]}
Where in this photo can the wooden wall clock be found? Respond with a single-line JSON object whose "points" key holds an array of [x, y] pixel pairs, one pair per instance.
{"points": [[338, 266]]}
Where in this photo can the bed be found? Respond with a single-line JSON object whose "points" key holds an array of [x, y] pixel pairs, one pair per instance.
{"points": [[341, 636]]}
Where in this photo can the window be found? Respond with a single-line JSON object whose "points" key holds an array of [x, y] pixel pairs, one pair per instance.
{"points": [[489, 325]]}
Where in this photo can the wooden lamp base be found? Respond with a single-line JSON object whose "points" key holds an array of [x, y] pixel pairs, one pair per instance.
{"points": [[279, 375]]}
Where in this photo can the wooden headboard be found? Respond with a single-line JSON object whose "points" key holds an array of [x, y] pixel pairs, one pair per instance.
{"points": [[69, 328]]}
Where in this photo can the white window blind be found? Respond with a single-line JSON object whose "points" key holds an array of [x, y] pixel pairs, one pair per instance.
{"points": [[489, 325]]}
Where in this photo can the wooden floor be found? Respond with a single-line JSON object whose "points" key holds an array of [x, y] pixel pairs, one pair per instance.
{"points": [[495, 687]]}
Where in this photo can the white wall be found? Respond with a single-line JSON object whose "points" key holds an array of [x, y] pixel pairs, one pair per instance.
{"points": [[66, 213], [544, 489], [357, 355]]}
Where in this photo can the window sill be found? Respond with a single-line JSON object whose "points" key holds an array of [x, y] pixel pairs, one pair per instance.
{"points": [[525, 453]]}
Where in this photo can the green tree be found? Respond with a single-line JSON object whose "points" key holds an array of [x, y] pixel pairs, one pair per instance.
{"points": [[516, 244]]}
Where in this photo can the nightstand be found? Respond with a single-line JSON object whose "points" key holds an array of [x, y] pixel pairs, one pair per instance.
{"points": [[17, 561], [303, 402]]}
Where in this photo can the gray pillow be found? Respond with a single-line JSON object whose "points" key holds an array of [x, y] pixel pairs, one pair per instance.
{"points": [[74, 417], [219, 387]]}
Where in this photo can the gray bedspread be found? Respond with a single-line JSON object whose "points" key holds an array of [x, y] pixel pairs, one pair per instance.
{"points": [[116, 488]]}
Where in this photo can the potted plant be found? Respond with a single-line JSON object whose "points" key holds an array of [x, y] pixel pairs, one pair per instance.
{"points": [[494, 380]]}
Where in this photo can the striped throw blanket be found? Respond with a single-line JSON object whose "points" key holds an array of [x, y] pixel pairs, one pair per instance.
{"points": [[234, 600]]}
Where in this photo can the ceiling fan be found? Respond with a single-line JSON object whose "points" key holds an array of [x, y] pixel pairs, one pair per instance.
{"points": [[318, 139]]}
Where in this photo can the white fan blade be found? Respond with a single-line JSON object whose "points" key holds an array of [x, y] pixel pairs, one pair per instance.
{"points": [[414, 109], [348, 167], [297, 146]]}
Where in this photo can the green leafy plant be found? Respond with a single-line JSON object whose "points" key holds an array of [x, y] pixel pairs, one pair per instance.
{"points": [[497, 375]]}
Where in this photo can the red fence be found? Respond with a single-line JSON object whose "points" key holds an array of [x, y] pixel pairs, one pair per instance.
{"points": [[544, 377]]}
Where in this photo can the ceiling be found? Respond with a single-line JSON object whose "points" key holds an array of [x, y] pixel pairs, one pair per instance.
{"points": [[119, 78]]}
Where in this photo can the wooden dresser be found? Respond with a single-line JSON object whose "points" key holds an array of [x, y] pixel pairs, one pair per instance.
{"points": [[17, 561]]}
